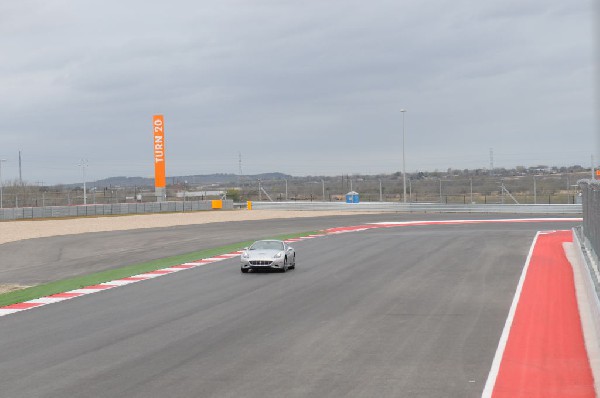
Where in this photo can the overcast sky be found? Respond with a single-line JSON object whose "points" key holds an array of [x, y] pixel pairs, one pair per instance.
{"points": [[301, 87]]}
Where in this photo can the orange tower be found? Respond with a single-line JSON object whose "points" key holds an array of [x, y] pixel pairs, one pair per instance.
{"points": [[160, 181]]}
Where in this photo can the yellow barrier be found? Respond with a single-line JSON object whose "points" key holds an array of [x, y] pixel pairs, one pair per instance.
{"points": [[217, 204], [249, 205]]}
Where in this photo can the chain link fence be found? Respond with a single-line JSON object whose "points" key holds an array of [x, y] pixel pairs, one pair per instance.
{"points": [[18, 213], [547, 189], [590, 190], [28, 196], [442, 188]]}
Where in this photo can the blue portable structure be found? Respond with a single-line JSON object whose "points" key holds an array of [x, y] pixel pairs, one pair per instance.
{"points": [[352, 197]]}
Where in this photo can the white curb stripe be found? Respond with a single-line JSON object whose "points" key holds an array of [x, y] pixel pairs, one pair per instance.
{"points": [[85, 291], [48, 300], [7, 312], [121, 282]]}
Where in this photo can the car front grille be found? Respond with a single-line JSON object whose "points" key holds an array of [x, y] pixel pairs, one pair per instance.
{"points": [[261, 262]]}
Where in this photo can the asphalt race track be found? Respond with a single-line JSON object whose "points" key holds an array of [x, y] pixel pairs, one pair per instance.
{"points": [[398, 312], [42, 260]]}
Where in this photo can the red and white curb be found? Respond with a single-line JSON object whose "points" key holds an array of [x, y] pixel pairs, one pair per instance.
{"points": [[84, 291], [391, 224]]}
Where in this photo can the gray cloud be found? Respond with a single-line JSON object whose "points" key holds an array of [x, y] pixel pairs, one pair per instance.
{"points": [[298, 87]]}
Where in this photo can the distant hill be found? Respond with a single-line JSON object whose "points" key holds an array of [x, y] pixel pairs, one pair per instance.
{"points": [[205, 179]]}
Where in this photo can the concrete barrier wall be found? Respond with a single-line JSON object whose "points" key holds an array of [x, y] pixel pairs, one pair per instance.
{"points": [[110, 209], [587, 264], [421, 207]]}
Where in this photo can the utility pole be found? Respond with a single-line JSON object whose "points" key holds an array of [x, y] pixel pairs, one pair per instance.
{"points": [[83, 164], [323, 182], [1, 183], [240, 173], [403, 158], [491, 161], [380, 191], [286, 190], [20, 174]]}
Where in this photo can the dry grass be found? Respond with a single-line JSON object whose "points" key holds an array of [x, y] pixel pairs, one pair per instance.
{"points": [[12, 231], [9, 287]]}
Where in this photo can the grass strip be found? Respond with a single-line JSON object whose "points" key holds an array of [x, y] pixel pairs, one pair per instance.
{"points": [[78, 282]]}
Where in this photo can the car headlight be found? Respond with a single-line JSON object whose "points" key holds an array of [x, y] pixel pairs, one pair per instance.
{"points": [[278, 255], [245, 255]]}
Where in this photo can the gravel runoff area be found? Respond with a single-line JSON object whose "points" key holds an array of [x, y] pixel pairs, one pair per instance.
{"points": [[11, 231]]}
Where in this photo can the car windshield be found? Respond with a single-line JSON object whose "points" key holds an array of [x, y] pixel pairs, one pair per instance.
{"points": [[267, 245]]}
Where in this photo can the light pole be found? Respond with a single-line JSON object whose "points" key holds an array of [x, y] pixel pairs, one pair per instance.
{"points": [[403, 158], [380, 191], [286, 191], [323, 182], [1, 184]]}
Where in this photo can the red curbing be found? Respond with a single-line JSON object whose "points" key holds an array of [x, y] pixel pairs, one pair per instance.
{"points": [[133, 278], [158, 271], [99, 287], [545, 354], [21, 306]]}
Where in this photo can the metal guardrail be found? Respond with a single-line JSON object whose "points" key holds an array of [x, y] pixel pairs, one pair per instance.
{"points": [[422, 207], [394, 207], [590, 190], [109, 209], [587, 240]]}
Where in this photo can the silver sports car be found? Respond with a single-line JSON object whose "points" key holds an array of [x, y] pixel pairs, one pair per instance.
{"points": [[268, 255]]}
